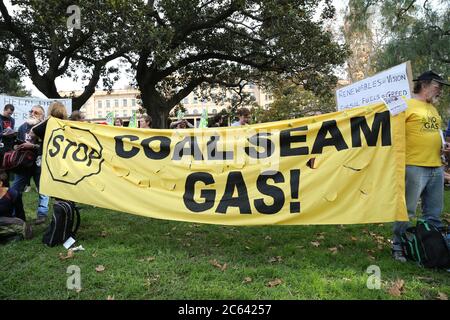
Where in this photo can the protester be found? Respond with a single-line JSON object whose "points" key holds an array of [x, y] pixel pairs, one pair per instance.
{"points": [[118, 122], [7, 121], [7, 133], [181, 124], [76, 116], [244, 117], [10, 200], [145, 122], [22, 178], [57, 110], [217, 121], [424, 170]]}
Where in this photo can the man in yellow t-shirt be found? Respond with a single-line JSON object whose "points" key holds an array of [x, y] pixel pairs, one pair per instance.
{"points": [[424, 170]]}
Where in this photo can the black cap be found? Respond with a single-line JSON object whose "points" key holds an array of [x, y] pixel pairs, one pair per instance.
{"points": [[430, 75]]}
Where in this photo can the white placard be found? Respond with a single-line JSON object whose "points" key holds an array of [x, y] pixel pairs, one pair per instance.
{"points": [[442, 137], [395, 105], [69, 242], [22, 106], [389, 83]]}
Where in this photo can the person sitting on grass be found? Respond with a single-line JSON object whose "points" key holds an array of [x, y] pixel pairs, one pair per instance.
{"points": [[10, 200], [12, 227]]}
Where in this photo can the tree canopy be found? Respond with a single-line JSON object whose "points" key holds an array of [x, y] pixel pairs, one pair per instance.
{"points": [[173, 46], [413, 30], [10, 83], [44, 47]]}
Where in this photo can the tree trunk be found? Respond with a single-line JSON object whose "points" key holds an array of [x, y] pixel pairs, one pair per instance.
{"points": [[156, 107]]}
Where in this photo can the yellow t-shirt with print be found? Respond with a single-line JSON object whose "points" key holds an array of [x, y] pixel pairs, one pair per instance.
{"points": [[423, 139]]}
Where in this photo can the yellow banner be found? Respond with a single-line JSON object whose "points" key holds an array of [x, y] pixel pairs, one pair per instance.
{"points": [[338, 168]]}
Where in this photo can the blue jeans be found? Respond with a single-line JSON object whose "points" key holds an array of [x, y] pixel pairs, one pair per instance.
{"points": [[21, 180], [426, 183]]}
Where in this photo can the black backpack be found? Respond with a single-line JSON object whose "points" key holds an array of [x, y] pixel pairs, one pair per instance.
{"points": [[65, 223], [426, 245]]}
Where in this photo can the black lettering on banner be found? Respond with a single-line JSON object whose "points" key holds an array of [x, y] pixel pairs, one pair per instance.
{"points": [[336, 139], [164, 147], [381, 120], [191, 150], [93, 155], [275, 192], [214, 154], [75, 154], [286, 139], [208, 195], [235, 181], [70, 144], [120, 149], [259, 140], [52, 152]]}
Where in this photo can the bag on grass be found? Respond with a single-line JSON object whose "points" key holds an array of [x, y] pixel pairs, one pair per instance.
{"points": [[13, 229], [65, 223], [426, 245]]}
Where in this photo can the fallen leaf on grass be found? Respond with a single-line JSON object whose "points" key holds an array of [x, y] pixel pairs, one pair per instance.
{"points": [[247, 280], [275, 259], [68, 256], [150, 281], [442, 296], [354, 239], [274, 283], [315, 243], [397, 288], [218, 265], [100, 268], [346, 279], [333, 250], [148, 259], [110, 298]]}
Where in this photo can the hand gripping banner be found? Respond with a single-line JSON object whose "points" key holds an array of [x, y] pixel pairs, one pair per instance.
{"points": [[339, 168]]}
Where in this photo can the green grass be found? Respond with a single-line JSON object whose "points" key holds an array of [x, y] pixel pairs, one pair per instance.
{"points": [[180, 266]]}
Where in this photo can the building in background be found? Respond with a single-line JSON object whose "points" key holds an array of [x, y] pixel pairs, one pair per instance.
{"points": [[123, 102]]}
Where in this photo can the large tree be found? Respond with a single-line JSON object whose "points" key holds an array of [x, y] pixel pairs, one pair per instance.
{"points": [[186, 44], [44, 47]]}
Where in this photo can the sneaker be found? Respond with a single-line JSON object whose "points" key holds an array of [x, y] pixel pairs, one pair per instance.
{"points": [[40, 220], [398, 256]]}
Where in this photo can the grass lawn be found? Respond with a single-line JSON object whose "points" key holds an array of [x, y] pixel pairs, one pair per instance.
{"points": [[146, 258]]}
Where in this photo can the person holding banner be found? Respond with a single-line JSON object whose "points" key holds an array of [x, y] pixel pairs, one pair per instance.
{"points": [[57, 110], [424, 169]]}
